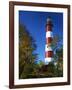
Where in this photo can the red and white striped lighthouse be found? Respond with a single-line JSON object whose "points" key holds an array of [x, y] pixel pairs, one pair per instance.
{"points": [[49, 38]]}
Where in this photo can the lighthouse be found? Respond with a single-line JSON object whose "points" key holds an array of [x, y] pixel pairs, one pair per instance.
{"points": [[49, 38]]}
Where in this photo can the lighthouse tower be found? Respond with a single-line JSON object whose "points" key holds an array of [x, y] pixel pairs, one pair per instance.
{"points": [[49, 38]]}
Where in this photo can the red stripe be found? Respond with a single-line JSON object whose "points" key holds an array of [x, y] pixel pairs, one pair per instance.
{"points": [[48, 28], [49, 54], [49, 40]]}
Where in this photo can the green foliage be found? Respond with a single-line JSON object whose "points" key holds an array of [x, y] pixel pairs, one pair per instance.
{"points": [[60, 62], [26, 56]]}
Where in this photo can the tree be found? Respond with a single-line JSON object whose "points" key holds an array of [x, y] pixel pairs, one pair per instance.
{"points": [[26, 52], [51, 70], [57, 45], [59, 65]]}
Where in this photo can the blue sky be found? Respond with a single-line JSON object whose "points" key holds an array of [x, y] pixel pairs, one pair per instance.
{"points": [[35, 23]]}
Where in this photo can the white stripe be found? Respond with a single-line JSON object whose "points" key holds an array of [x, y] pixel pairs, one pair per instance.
{"points": [[48, 48], [47, 60], [49, 34]]}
